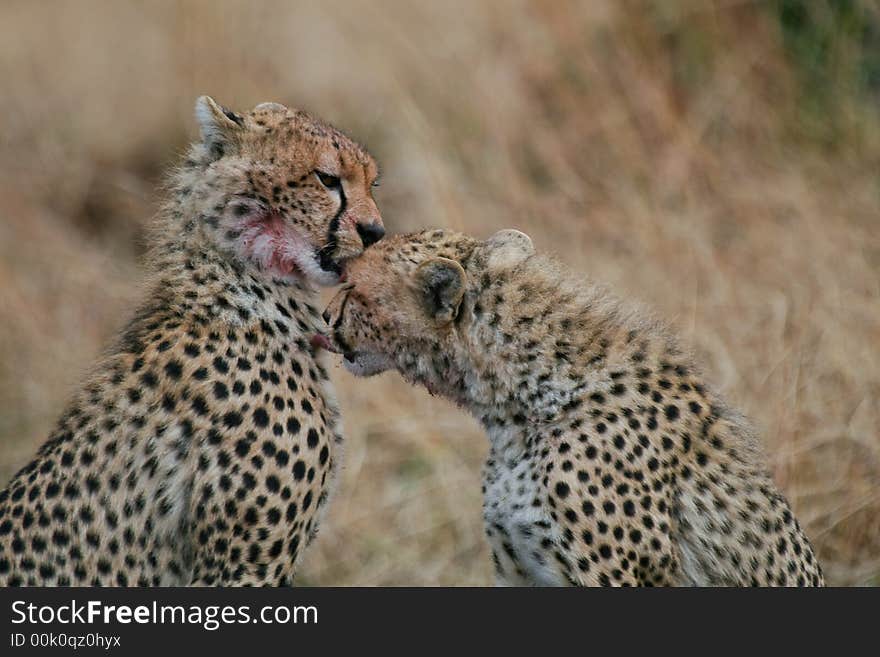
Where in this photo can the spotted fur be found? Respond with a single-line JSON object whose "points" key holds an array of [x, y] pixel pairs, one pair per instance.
{"points": [[611, 461], [201, 448]]}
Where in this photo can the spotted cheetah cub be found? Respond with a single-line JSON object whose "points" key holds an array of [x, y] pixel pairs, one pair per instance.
{"points": [[202, 446], [611, 462]]}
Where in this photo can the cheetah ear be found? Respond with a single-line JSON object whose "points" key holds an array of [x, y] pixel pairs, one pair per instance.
{"points": [[219, 126], [440, 285], [507, 248]]}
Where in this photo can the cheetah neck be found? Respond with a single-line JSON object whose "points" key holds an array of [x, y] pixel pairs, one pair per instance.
{"points": [[536, 342], [194, 279]]}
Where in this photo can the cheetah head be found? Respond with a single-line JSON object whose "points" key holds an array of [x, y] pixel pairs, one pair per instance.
{"points": [[282, 191], [408, 304]]}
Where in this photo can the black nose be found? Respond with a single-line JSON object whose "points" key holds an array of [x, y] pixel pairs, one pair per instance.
{"points": [[326, 316], [370, 233]]}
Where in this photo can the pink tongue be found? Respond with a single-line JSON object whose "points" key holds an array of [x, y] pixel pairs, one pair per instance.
{"points": [[320, 341]]}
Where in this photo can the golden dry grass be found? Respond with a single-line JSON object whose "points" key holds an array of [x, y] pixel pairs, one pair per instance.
{"points": [[667, 148]]}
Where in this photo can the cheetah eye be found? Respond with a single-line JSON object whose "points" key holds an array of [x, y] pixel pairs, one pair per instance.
{"points": [[329, 181]]}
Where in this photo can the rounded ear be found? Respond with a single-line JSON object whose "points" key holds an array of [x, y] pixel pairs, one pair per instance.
{"points": [[440, 285], [507, 248], [218, 125]]}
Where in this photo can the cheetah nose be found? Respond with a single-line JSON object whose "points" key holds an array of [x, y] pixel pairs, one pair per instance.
{"points": [[370, 233]]}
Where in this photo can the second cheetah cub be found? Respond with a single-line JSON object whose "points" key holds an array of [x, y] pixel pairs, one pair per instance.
{"points": [[611, 461]]}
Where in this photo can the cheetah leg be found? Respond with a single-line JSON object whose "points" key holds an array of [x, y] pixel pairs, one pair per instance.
{"points": [[239, 542], [507, 571]]}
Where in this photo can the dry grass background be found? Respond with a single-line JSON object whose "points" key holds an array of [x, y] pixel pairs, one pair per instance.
{"points": [[710, 158]]}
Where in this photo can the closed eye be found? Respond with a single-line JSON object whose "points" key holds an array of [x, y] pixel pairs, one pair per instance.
{"points": [[328, 180], [347, 290]]}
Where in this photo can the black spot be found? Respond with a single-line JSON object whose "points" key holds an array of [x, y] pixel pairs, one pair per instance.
{"points": [[299, 470], [199, 405], [232, 419], [290, 515], [220, 390], [261, 417], [174, 369]]}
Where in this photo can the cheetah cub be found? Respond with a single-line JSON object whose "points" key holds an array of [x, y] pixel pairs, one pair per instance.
{"points": [[201, 448], [611, 462]]}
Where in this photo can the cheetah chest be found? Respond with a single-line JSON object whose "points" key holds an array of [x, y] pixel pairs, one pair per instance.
{"points": [[520, 530]]}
